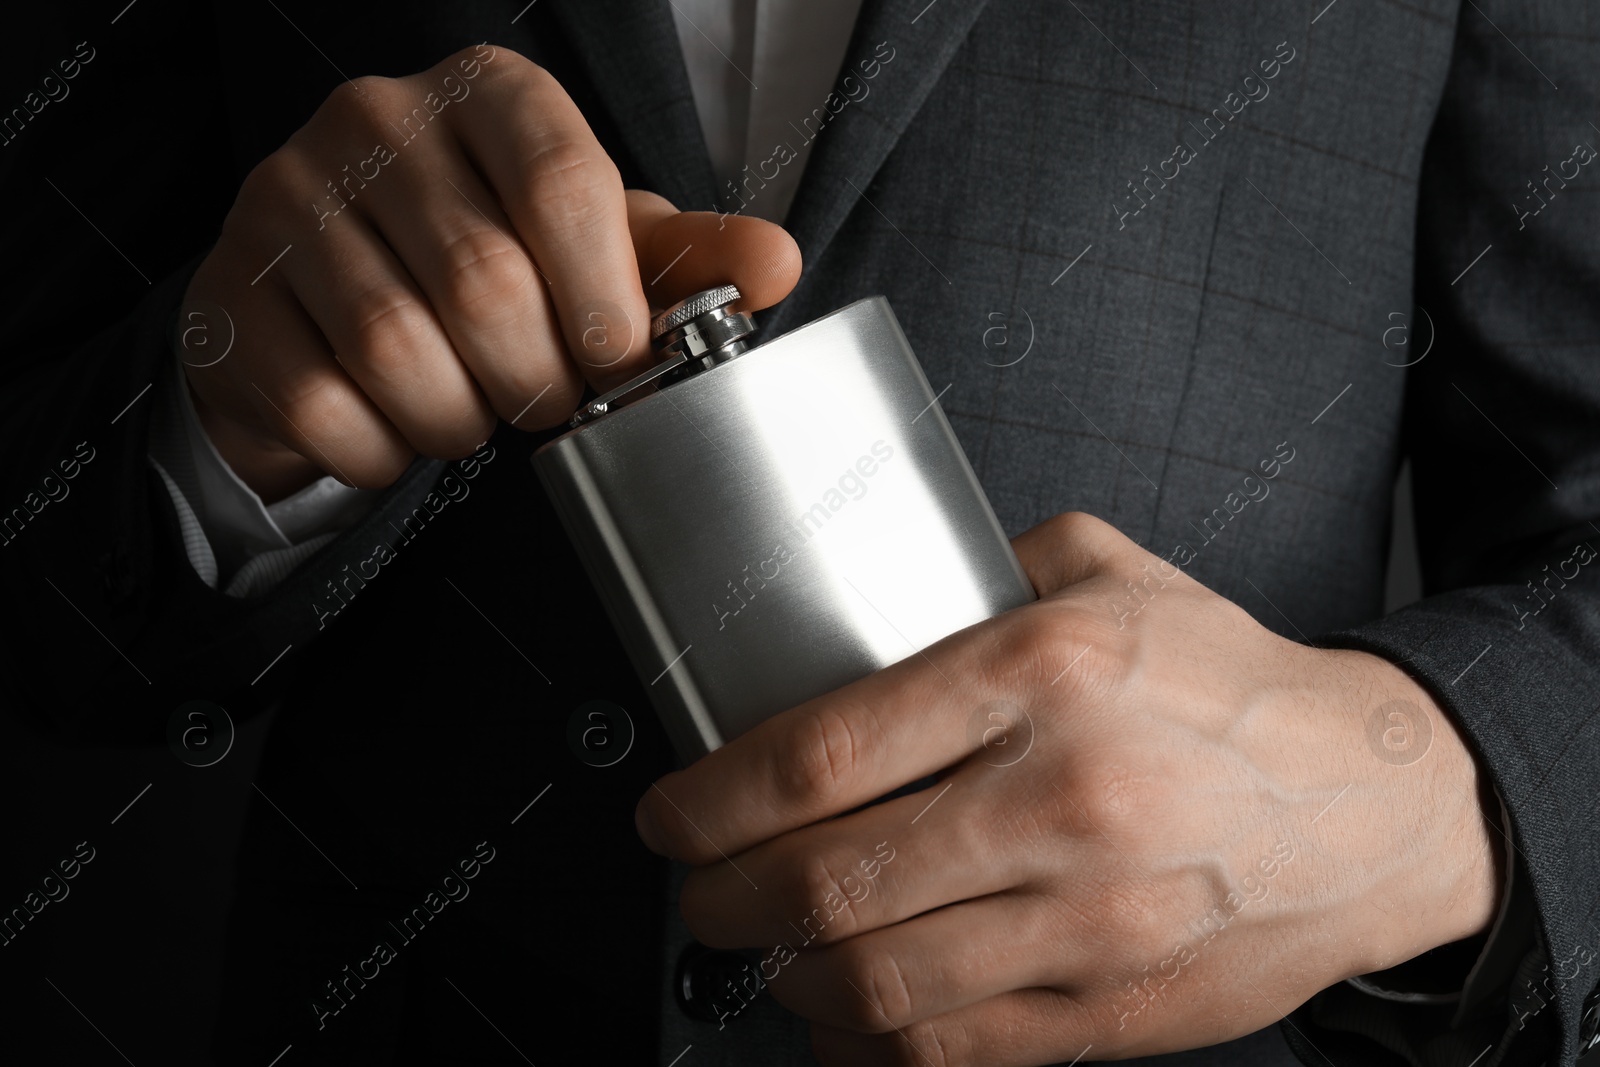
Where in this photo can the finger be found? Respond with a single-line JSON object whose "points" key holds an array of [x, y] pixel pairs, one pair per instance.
{"points": [[280, 374], [825, 757], [932, 965], [989, 687], [564, 196], [832, 754], [448, 230], [1072, 547], [683, 252], [383, 331], [841, 878], [1022, 1028]]}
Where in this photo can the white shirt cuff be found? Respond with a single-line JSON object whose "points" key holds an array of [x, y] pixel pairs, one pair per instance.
{"points": [[230, 537]]}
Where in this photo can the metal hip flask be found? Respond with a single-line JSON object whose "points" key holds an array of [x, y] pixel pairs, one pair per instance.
{"points": [[767, 523]]}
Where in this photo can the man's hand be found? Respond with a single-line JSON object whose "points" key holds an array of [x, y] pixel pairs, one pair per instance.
{"points": [[1157, 826], [428, 253]]}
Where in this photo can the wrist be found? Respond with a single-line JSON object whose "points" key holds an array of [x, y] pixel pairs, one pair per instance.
{"points": [[1439, 795]]}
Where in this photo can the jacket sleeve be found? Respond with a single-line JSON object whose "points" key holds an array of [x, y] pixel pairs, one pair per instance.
{"points": [[117, 173], [1503, 431]]}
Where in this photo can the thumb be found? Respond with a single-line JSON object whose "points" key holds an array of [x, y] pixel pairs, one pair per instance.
{"points": [[683, 252]]}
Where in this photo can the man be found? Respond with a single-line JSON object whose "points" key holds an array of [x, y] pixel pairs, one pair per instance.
{"points": [[1193, 230]]}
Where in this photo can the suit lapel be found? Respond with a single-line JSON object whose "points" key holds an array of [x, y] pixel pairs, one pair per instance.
{"points": [[630, 51], [854, 145]]}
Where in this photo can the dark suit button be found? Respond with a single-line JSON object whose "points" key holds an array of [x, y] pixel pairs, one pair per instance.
{"points": [[1589, 1029], [715, 985]]}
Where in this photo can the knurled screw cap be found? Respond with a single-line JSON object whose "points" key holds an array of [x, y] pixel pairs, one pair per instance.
{"points": [[698, 304]]}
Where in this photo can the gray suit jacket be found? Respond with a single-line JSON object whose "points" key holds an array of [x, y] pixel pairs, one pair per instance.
{"points": [[1140, 266], [1142, 248]]}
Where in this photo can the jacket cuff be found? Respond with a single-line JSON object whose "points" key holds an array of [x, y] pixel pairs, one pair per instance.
{"points": [[1514, 699], [1467, 973]]}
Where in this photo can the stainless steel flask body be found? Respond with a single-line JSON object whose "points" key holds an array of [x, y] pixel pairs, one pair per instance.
{"points": [[781, 524]]}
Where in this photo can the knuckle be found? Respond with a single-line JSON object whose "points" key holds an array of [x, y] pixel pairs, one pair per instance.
{"points": [[931, 1043], [885, 1001], [1079, 526], [570, 182], [311, 405], [1030, 643], [270, 179], [390, 328], [1112, 794], [1128, 591], [363, 96], [359, 105], [822, 900], [1092, 636], [484, 274], [1102, 543], [1134, 571], [504, 65], [820, 762], [316, 410], [465, 57]]}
